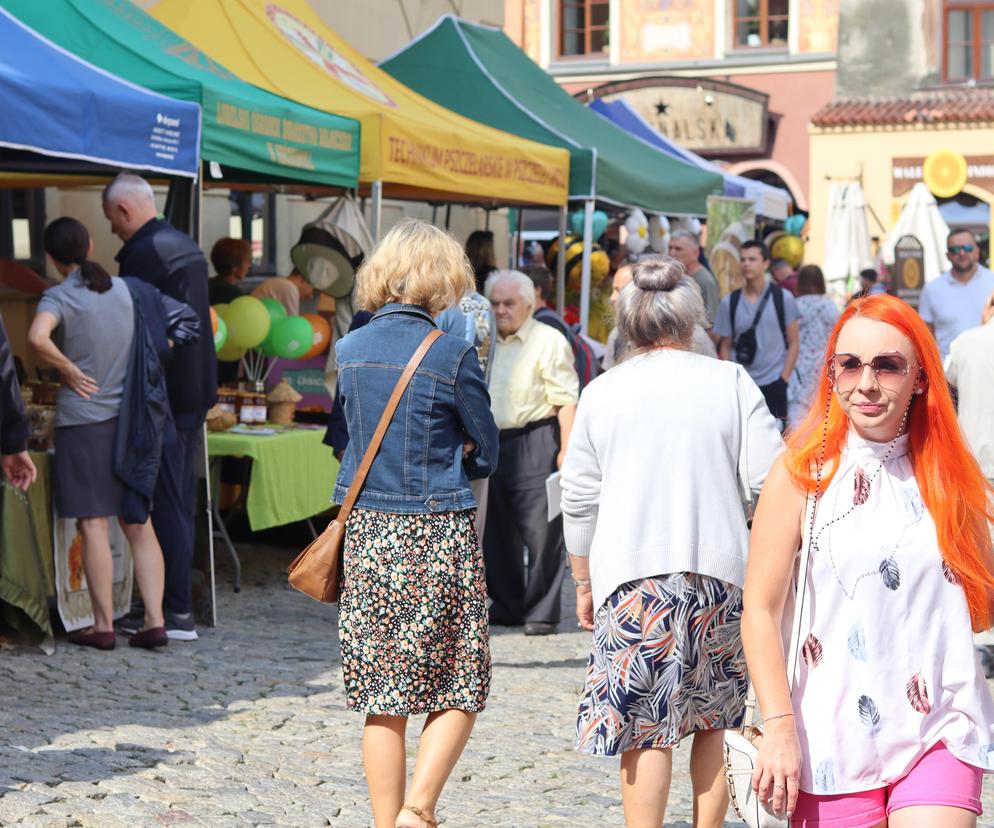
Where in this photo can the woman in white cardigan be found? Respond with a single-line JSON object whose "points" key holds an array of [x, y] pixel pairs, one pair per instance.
{"points": [[657, 539]]}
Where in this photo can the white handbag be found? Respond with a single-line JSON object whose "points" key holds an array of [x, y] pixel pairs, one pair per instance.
{"points": [[742, 746]]}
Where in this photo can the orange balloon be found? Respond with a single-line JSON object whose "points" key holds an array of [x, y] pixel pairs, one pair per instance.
{"points": [[322, 335], [213, 321]]}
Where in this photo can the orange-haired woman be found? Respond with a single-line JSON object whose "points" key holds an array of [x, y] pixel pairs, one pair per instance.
{"points": [[889, 720]]}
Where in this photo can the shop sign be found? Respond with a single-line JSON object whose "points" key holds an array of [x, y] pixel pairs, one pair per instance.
{"points": [[908, 277], [709, 117], [944, 173]]}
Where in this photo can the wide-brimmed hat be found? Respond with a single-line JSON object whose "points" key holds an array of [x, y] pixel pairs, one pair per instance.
{"points": [[323, 260]]}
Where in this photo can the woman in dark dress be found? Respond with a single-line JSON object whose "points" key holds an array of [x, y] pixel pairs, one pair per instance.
{"points": [[413, 612]]}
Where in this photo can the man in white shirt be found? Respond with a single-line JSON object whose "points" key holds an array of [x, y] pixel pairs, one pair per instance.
{"points": [[952, 303]]}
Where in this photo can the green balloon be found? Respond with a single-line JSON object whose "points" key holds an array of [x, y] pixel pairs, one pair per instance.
{"points": [[275, 309], [230, 352], [248, 322], [292, 337], [266, 346], [222, 333]]}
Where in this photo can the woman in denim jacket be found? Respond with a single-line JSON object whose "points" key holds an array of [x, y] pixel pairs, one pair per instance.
{"points": [[413, 612]]}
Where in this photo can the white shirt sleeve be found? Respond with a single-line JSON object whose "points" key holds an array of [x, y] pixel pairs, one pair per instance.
{"points": [[581, 484]]}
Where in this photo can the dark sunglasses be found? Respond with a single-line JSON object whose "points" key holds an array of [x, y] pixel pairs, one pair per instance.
{"points": [[960, 248], [845, 370]]}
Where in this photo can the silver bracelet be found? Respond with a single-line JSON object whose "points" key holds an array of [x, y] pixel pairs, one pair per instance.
{"points": [[578, 582]]}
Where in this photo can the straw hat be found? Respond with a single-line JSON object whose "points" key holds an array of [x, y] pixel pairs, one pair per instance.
{"points": [[323, 260]]}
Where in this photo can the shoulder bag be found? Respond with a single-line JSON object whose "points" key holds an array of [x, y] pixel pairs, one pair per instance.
{"points": [[742, 745], [317, 570]]}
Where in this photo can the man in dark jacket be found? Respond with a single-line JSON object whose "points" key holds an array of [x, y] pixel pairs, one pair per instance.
{"points": [[157, 253], [17, 465]]}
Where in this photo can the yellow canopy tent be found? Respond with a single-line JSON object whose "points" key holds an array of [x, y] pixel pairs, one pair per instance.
{"points": [[412, 148]]}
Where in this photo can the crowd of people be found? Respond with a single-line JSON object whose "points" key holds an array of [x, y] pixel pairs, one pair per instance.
{"points": [[517, 457]]}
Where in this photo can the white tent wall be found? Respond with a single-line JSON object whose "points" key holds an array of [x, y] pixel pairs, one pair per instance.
{"points": [[920, 217], [847, 239]]}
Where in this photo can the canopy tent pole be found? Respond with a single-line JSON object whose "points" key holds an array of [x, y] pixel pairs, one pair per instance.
{"points": [[561, 262], [376, 209], [516, 255], [487, 225], [588, 242], [448, 215]]}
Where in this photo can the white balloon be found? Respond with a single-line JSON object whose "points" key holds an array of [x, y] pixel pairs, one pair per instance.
{"points": [[637, 226], [659, 234]]}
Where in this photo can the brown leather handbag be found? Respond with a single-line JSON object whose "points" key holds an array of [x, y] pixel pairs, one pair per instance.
{"points": [[317, 570]]}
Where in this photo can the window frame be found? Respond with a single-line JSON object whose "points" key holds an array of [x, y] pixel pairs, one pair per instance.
{"points": [[243, 199], [35, 202], [587, 6], [764, 27], [976, 43]]}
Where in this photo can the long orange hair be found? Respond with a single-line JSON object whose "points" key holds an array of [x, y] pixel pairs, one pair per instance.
{"points": [[953, 488]]}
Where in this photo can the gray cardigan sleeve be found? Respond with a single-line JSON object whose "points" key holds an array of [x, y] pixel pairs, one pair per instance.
{"points": [[581, 484]]}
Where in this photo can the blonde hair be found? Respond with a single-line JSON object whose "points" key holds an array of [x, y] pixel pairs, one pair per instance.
{"points": [[416, 264]]}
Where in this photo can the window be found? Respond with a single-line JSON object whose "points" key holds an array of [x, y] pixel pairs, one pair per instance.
{"points": [[22, 223], [584, 27], [253, 218], [761, 24], [969, 53]]}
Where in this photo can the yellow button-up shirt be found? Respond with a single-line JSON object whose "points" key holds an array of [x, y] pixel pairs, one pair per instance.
{"points": [[532, 375]]}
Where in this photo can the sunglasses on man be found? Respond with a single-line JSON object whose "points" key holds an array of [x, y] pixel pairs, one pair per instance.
{"points": [[960, 248]]}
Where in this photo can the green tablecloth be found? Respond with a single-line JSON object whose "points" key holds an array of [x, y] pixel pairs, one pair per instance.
{"points": [[293, 473], [27, 567]]}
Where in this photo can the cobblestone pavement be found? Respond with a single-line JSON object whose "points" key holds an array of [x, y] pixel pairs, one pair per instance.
{"points": [[248, 726]]}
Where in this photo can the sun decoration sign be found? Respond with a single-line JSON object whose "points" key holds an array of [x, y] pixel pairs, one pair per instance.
{"points": [[316, 49], [945, 172]]}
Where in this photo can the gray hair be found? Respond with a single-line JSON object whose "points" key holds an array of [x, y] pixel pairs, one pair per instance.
{"points": [[129, 187], [661, 304], [683, 233], [526, 287]]}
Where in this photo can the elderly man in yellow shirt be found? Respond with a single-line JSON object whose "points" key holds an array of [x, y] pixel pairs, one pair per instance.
{"points": [[534, 389]]}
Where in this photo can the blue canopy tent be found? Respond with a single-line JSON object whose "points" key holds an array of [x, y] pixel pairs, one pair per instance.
{"points": [[771, 202], [57, 106]]}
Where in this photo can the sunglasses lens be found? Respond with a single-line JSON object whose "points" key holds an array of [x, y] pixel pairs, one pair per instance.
{"points": [[961, 248], [890, 365]]}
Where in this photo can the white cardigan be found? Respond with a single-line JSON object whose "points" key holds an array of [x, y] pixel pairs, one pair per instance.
{"points": [[650, 482]]}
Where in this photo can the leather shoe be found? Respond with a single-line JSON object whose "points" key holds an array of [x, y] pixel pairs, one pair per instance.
{"points": [[540, 628], [149, 639], [97, 640]]}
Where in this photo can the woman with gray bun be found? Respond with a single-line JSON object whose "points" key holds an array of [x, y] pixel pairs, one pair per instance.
{"points": [[657, 538]]}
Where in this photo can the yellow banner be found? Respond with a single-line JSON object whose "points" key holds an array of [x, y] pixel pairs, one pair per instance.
{"points": [[407, 140]]}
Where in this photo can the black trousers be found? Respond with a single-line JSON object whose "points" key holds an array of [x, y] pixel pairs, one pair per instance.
{"points": [[173, 508], [517, 517], [776, 398]]}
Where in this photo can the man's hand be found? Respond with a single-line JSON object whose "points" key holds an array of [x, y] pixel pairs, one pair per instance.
{"points": [[19, 469], [585, 607], [560, 457], [987, 314], [79, 382]]}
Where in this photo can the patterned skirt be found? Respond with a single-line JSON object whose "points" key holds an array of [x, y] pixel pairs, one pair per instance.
{"points": [[413, 614], [667, 661]]}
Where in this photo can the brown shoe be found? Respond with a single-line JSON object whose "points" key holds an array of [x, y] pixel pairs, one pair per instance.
{"points": [[98, 640], [149, 639]]}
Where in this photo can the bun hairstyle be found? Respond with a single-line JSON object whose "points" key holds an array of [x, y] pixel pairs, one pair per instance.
{"points": [[67, 241], [661, 305]]}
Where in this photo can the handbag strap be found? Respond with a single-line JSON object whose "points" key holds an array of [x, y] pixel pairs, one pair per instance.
{"points": [[745, 484], [384, 424]]}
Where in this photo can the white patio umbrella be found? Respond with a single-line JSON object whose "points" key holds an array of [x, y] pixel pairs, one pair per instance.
{"points": [[921, 218], [847, 238]]}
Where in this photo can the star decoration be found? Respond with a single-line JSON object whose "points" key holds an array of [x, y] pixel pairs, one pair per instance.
{"points": [[661, 108]]}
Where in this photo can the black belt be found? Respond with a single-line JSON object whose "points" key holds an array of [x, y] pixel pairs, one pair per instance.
{"points": [[511, 433]]}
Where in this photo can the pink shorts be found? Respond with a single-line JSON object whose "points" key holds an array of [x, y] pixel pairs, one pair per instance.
{"points": [[938, 778]]}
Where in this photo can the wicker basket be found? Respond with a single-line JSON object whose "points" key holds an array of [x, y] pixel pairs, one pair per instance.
{"points": [[281, 413]]}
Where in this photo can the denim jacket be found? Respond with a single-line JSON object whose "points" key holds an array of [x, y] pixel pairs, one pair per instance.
{"points": [[420, 467]]}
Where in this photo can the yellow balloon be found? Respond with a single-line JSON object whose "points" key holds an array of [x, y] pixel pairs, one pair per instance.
{"points": [[231, 352], [790, 249]]}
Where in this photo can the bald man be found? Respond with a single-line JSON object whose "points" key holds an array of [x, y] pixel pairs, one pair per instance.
{"points": [[157, 253]]}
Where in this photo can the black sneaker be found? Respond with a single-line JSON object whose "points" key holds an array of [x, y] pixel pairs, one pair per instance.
{"points": [[132, 622], [181, 626]]}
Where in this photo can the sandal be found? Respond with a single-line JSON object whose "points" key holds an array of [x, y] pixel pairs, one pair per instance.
{"points": [[414, 809]]}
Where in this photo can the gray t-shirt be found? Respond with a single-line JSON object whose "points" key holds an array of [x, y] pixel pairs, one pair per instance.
{"points": [[771, 353], [710, 292], [95, 331]]}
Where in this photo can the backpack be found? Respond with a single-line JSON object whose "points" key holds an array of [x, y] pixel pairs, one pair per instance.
{"points": [[745, 344], [584, 359]]}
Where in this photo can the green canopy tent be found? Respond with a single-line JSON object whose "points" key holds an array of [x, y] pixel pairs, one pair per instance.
{"points": [[249, 137], [479, 72]]}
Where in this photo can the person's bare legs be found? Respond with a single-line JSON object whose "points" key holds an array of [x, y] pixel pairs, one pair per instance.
{"points": [[443, 739], [929, 816], [645, 786], [707, 775], [150, 570], [385, 762], [99, 568]]}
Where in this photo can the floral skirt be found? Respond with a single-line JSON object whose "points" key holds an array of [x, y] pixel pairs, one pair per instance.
{"points": [[667, 661], [413, 614]]}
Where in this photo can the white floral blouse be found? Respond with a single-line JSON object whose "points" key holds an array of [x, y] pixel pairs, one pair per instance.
{"points": [[817, 314]]}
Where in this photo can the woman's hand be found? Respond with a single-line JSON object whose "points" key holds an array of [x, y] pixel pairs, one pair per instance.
{"points": [[79, 382], [778, 767], [468, 448], [585, 607]]}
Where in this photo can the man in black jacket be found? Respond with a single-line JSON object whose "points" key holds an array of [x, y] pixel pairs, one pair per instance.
{"points": [[17, 465], [156, 252]]}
